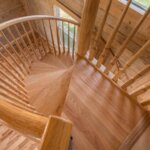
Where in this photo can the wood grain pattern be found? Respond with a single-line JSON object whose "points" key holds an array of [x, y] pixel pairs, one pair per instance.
{"points": [[102, 115]]}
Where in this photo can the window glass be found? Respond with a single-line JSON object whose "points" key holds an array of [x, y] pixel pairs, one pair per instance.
{"points": [[60, 13], [143, 3]]}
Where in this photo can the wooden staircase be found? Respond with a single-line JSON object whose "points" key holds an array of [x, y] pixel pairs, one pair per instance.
{"points": [[36, 65]]}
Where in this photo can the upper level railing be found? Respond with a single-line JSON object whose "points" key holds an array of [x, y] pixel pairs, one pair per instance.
{"points": [[107, 61]]}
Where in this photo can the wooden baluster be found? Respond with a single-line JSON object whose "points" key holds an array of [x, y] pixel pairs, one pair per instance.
{"points": [[10, 85], [131, 60], [41, 38], [100, 30], [29, 40], [16, 82], [112, 36], [14, 60], [89, 13], [52, 37], [139, 74], [11, 46], [63, 37], [58, 37], [35, 39], [121, 50], [140, 90], [74, 40], [11, 99], [20, 49], [10, 64], [11, 92], [68, 37], [46, 35], [24, 44]]}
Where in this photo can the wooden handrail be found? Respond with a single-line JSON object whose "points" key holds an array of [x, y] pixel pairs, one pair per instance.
{"points": [[30, 18], [23, 121]]}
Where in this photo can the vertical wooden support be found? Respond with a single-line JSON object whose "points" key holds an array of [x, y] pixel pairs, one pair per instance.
{"points": [[56, 135], [74, 40], [14, 50], [14, 82], [68, 37], [63, 37], [35, 39], [52, 36], [45, 33], [58, 36], [112, 36], [8, 62], [87, 25], [25, 64], [100, 30]]}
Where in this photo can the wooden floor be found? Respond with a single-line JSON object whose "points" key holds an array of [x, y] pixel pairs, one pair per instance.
{"points": [[103, 117]]}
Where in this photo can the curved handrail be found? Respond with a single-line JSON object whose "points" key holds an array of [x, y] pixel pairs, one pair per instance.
{"points": [[25, 122], [35, 17]]}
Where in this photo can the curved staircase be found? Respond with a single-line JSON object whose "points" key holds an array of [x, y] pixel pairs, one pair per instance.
{"points": [[40, 75], [35, 68]]}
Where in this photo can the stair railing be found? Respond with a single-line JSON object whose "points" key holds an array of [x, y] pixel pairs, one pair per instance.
{"points": [[26, 39], [108, 65], [53, 133]]}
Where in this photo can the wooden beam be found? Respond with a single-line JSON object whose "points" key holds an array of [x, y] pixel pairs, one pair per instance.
{"points": [[56, 135], [87, 25]]}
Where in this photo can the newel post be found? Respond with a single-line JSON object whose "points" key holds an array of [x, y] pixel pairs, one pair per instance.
{"points": [[87, 25]]}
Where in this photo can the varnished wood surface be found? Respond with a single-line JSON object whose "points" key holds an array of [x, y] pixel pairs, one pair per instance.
{"points": [[11, 140], [102, 115]]}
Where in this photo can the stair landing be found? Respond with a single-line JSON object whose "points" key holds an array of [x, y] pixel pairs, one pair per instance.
{"points": [[104, 118]]}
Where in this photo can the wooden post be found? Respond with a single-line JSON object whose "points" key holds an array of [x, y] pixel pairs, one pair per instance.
{"points": [[87, 24], [56, 135], [99, 33]]}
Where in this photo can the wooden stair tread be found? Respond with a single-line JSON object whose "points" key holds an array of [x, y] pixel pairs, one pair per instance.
{"points": [[12, 140]]}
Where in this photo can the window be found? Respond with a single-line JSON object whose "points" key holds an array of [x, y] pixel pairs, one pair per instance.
{"points": [[60, 13], [139, 5]]}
